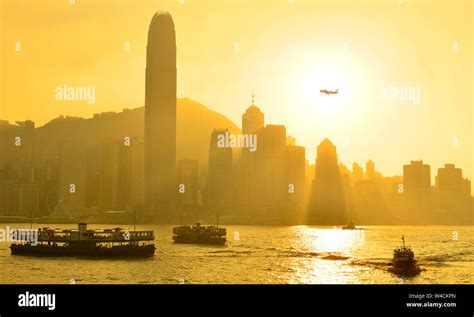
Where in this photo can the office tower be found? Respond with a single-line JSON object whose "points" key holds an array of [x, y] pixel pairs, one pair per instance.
{"points": [[290, 140], [327, 198], [188, 182], [160, 118], [453, 190], [122, 175], [271, 183], [71, 191], [219, 181], [48, 186], [137, 155], [357, 173], [369, 170], [417, 184], [252, 120], [113, 193], [295, 169]]}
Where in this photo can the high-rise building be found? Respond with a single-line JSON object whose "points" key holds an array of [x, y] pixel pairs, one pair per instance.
{"points": [[49, 185], [417, 184], [114, 176], [252, 120], [295, 169], [453, 191], [71, 192], [160, 118], [370, 170], [122, 175], [188, 182], [357, 173], [137, 155], [290, 140], [327, 204], [271, 182], [219, 181], [449, 178]]}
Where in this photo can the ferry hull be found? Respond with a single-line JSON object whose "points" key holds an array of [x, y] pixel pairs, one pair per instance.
{"points": [[407, 268], [197, 239], [51, 251]]}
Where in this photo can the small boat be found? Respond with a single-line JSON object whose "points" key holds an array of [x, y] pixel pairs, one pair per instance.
{"points": [[350, 226], [199, 234], [404, 262]]}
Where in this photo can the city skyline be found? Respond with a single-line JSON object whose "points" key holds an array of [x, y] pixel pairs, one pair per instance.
{"points": [[246, 142], [432, 121], [273, 183]]}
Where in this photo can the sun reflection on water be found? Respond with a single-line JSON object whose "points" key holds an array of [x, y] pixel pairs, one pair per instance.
{"points": [[327, 250]]}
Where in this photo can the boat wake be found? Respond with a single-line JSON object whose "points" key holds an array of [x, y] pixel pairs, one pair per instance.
{"points": [[376, 263], [331, 256]]}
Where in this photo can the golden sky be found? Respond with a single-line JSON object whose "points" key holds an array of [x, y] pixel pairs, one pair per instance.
{"points": [[286, 50]]}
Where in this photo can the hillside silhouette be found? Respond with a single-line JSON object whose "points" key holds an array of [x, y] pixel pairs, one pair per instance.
{"points": [[195, 123]]}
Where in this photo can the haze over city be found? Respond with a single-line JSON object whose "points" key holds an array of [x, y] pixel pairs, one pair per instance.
{"points": [[366, 51], [236, 142]]}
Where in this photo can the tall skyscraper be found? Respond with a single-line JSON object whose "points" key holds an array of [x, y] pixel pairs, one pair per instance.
{"points": [[295, 170], [449, 178], [453, 191], [327, 198], [188, 180], [219, 180], [370, 170], [160, 118], [252, 120], [417, 184], [271, 183], [71, 192], [357, 173]]}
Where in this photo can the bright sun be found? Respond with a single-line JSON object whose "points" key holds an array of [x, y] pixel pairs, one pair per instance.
{"points": [[330, 73]]}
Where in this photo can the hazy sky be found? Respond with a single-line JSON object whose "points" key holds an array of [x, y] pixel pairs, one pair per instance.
{"points": [[286, 50]]}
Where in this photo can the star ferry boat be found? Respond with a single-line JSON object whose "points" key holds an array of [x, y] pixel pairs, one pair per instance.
{"points": [[115, 242], [199, 234]]}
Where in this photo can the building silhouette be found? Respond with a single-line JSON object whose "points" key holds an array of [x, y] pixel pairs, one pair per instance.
{"points": [[188, 178], [219, 190], [252, 120], [160, 189], [417, 186], [296, 180], [121, 175], [370, 170], [357, 173], [327, 204], [71, 191], [453, 196], [19, 170]]}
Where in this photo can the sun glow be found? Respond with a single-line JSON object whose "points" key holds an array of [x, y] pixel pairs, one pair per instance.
{"points": [[329, 73]]}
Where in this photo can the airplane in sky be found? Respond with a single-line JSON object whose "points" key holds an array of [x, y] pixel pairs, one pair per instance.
{"points": [[329, 92]]}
